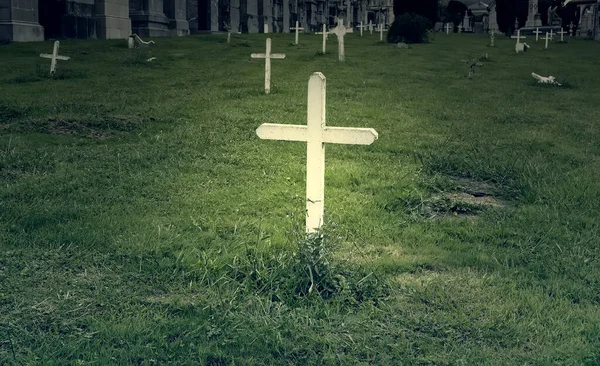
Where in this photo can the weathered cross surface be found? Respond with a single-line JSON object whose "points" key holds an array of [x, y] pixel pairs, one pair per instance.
{"points": [[562, 34], [316, 134], [297, 28], [54, 57], [268, 56], [537, 34], [340, 31]]}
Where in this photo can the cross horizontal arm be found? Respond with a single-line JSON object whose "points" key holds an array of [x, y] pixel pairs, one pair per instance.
{"points": [[349, 136], [278, 55], [258, 55], [274, 131], [64, 58]]}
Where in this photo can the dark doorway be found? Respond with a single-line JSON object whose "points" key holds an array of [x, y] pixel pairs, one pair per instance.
{"points": [[51, 12], [203, 15]]}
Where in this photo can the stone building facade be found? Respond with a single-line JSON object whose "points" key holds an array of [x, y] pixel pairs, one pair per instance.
{"points": [[36, 20]]}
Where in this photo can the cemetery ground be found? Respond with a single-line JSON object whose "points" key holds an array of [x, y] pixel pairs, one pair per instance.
{"points": [[142, 221]]}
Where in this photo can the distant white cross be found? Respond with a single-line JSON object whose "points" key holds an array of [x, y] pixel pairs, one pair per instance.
{"points": [[492, 37], [268, 56], [518, 36], [297, 28], [54, 56], [447, 28], [325, 36], [547, 39], [381, 32], [361, 26], [371, 27], [537, 34], [340, 31], [316, 134], [562, 34], [551, 33]]}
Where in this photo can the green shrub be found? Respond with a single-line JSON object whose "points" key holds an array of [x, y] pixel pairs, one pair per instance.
{"points": [[409, 28]]}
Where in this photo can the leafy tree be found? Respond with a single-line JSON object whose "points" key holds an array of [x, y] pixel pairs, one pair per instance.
{"points": [[426, 8]]}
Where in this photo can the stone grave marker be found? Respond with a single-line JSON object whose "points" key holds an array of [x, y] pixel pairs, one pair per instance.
{"points": [[268, 56], [130, 42], [519, 47], [340, 31], [562, 34], [54, 57], [381, 32], [325, 35], [571, 27], [492, 37], [316, 134], [297, 28], [266, 29], [537, 34], [361, 27], [447, 28], [371, 26], [547, 39]]}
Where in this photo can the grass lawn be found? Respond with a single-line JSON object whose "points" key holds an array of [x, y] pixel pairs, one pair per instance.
{"points": [[142, 221]]}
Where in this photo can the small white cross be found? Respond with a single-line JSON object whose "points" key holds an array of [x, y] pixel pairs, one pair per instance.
{"points": [[325, 37], [551, 33], [371, 27], [297, 28], [547, 39], [381, 32], [537, 34], [447, 28], [268, 56], [518, 36], [316, 134], [340, 31], [361, 26], [54, 56], [562, 34]]}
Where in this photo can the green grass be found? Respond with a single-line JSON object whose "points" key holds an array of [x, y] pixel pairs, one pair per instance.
{"points": [[142, 221]]}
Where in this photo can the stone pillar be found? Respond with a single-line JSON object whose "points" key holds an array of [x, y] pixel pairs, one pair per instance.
{"points": [[532, 11], [234, 15], [112, 19], [148, 18], [286, 16], [176, 11], [19, 21], [252, 14]]}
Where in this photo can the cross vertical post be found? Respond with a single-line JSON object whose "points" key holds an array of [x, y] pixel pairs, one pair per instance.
{"points": [[316, 134], [371, 26], [447, 29], [537, 34], [381, 32], [547, 38], [324, 38]]}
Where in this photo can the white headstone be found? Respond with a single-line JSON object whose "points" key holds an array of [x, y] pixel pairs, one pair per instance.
{"points": [[297, 28], [316, 134], [54, 57], [268, 56], [266, 29], [340, 31], [130, 42]]}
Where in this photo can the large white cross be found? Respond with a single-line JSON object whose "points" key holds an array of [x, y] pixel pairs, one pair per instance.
{"points": [[268, 56], [562, 34], [340, 31], [447, 28], [297, 28], [518, 36], [316, 134], [537, 34], [54, 56]]}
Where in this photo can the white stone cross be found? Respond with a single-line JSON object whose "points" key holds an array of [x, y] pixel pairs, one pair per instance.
{"points": [[551, 33], [447, 28], [547, 39], [381, 32], [325, 34], [316, 134], [54, 57], [518, 36], [268, 56], [371, 27], [340, 31], [537, 34], [361, 26], [297, 28], [562, 34]]}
